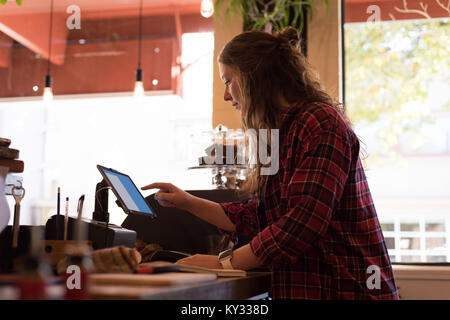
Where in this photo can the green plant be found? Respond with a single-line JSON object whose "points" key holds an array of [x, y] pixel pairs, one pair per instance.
{"points": [[19, 2], [269, 14]]}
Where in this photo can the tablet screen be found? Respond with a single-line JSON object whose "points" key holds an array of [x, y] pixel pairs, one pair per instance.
{"points": [[127, 191]]}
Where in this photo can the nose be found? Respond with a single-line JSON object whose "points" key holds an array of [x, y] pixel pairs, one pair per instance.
{"points": [[227, 95]]}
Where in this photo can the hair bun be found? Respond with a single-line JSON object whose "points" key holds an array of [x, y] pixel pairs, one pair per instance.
{"points": [[291, 35]]}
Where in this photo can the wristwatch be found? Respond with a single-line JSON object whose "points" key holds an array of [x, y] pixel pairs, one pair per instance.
{"points": [[225, 258]]}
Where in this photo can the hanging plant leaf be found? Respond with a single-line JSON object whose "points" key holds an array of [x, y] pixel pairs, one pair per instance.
{"points": [[286, 16], [253, 11], [19, 2], [279, 13]]}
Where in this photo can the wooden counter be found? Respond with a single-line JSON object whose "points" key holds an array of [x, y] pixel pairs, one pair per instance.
{"points": [[255, 285]]}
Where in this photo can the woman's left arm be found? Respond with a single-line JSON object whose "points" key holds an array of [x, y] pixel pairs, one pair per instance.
{"points": [[243, 259]]}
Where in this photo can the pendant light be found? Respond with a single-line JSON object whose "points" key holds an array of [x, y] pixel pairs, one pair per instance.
{"points": [[139, 84], [207, 8], [48, 92]]}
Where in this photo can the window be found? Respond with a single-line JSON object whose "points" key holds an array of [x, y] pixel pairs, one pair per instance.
{"points": [[397, 91], [94, 117]]}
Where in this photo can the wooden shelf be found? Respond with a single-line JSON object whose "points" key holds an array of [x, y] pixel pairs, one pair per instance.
{"points": [[15, 166]]}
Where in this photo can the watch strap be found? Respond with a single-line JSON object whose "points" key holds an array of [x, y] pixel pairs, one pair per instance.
{"points": [[225, 258], [226, 263]]}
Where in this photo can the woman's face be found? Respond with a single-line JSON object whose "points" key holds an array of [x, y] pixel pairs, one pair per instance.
{"points": [[232, 93]]}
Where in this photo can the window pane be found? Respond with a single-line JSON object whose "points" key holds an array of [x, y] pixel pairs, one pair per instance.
{"points": [[390, 243], [435, 227], [387, 226], [436, 258], [410, 243], [409, 226], [397, 93], [435, 243], [410, 259], [95, 118]]}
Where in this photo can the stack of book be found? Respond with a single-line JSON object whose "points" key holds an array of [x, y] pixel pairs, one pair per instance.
{"points": [[9, 156]]}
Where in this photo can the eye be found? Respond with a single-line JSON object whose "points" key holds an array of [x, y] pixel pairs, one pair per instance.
{"points": [[227, 82]]}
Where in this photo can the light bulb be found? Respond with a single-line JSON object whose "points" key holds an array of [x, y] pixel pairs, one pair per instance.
{"points": [[139, 84], [207, 8], [139, 89], [48, 94]]}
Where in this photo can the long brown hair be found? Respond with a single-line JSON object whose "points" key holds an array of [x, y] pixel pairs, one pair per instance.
{"points": [[271, 67]]}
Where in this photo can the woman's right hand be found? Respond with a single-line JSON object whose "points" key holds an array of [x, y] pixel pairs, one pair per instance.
{"points": [[170, 195]]}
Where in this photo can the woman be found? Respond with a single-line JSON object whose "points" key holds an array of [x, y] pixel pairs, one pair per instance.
{"points": [[313, 222]]}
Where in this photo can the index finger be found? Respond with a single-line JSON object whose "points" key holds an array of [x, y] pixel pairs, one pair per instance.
{"points": [[157, 185]]}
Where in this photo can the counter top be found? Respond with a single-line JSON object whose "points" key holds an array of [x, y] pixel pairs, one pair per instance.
{"points": [[235, 288]]}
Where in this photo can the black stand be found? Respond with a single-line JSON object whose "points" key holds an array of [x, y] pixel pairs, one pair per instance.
{"points": [[101, 206], [101, 202]]}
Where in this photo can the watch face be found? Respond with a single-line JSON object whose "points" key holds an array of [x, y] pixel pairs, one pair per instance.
{"points": [[225, 254]]}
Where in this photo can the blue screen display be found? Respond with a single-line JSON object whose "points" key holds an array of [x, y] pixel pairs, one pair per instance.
{"points": [[128, 192]]}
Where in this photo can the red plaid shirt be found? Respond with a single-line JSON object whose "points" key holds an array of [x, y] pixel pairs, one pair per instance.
{"points": [[318, 232]]}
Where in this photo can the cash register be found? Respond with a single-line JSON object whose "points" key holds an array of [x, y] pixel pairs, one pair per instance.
{"points": [[178, 232]]}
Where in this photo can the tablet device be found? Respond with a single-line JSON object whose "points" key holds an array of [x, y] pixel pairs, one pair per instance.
{"points": [[131, 200]]}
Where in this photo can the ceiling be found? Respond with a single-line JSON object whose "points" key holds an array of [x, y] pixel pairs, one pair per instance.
{"points": [[28, 24], [105, 36], [95, 9]]}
